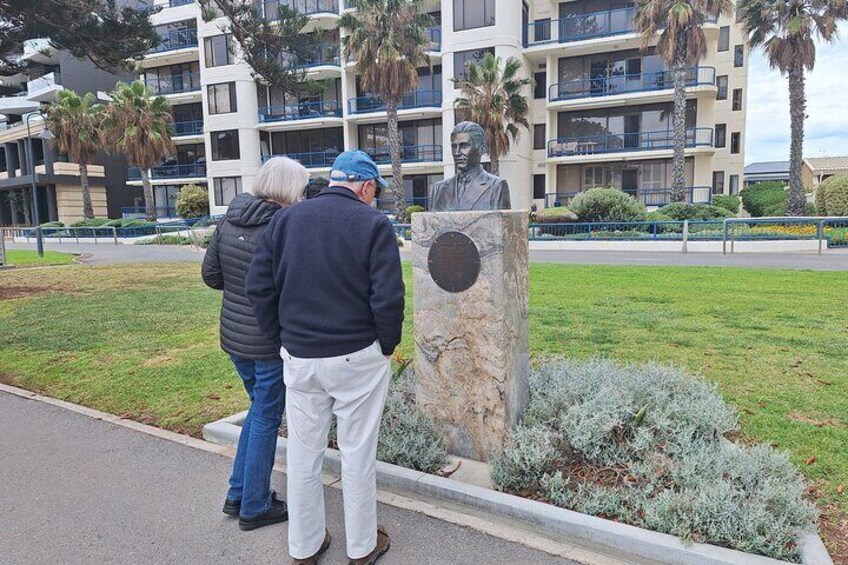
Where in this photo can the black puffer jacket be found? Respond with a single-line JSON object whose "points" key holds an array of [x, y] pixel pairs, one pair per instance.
{"points": [[225, 268]]}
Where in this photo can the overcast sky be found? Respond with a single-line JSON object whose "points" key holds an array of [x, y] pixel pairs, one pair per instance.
{"points": [[826, 128]]}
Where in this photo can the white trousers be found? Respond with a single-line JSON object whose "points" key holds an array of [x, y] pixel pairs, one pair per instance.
{"points": [[354, 388]]}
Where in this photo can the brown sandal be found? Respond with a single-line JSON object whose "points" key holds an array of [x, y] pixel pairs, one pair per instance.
{"points": [[383, 544], [314, 559]]}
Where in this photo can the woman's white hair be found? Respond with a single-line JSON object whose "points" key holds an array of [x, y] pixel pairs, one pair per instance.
{"points": [[281, 180]]}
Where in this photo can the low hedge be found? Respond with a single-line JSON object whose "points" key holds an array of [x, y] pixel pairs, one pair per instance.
{"points": [[682, 211], [764, 199], [727, 201], [607, 205], [836, 195]]}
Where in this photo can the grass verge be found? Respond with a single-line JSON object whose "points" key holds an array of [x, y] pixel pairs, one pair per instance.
{"points": [[24, 258]]}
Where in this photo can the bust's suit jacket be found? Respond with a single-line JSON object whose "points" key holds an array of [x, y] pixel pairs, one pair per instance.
{"points": [[478, 190]]}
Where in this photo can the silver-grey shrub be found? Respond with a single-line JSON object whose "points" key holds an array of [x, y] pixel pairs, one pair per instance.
{"points": [[647, 445]]}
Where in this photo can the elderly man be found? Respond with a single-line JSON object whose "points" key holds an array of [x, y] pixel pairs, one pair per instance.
{"points": [[326, 280], [473, 188]]}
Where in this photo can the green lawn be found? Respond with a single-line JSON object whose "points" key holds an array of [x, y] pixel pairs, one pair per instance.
{"points": [[141, 341], [23, 258]]}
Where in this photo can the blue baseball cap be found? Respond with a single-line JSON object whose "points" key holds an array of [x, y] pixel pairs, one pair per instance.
{"points": [[355, 166]]}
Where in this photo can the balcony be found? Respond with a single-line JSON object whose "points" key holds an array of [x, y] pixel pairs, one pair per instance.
{"points": [[647, 196], [301, 111], [194, 170], [409, 154], [434, 35], [183, 38], [191, 127], [580, 27], [626, 142], [306, 7], [415, 99], [310, 160], [327, 55], [628, 84], [174, 84], [176, 3]]}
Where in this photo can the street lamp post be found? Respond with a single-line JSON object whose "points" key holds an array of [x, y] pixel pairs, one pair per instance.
{"points": [[45, 134]]}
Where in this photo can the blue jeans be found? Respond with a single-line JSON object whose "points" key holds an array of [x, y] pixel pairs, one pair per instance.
{"points": [[250, 481]]}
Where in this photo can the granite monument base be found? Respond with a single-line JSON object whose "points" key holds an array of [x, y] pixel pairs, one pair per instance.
{"points": [[471, 325]]}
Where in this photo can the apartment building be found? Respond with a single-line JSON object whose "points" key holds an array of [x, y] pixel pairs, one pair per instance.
{"points": [[600, 112]]}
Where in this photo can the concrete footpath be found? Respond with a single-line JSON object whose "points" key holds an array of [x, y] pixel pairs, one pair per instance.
{"points": [[76, 490]]}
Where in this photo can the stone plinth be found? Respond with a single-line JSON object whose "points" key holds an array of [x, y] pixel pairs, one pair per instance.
{"points": [[471, 347]]}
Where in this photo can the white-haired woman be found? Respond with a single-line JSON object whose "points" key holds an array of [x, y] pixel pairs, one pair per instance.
{"points": [[280, 182]]}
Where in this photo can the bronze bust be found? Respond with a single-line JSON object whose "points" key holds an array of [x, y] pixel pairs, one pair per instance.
{"points": [[473, 188]]}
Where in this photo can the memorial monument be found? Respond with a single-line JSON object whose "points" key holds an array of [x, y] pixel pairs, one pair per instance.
{"points": [[471, 304]]}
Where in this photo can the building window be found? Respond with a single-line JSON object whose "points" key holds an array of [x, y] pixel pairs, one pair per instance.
{"points": [[718, 182], [225, 189], [737, 99], [721, 83], [470, 14], [735, 141], [225, 145], [721, 135], [463, 58], [218, 50], [538, 187], [739, 56], [724, 39], [541, 85], [222, 98], [538, 136], [734, 184]]}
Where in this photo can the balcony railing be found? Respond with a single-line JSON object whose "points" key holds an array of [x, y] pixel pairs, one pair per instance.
{"points": [[327, 54], [434, 34], [415, 99], [300, 111], [622, 84], [176, 39], [579, 27], [140, 212], [408, 154], [174, 84], [269, 8], [310, 160], [647, 196], [191, 127], [175, 3], [625, 142], [194, 170]]}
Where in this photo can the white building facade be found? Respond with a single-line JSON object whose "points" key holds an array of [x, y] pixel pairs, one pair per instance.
{"points": [[600, 107]]}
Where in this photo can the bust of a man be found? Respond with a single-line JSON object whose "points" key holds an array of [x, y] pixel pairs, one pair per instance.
{"points": [[473, 188]]}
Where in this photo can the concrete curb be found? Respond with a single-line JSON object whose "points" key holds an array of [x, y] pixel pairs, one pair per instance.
{"points": [[595, 534]]}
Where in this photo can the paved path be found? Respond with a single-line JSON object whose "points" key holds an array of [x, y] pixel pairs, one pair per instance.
{"points": [[833, 260], [76, 490]]}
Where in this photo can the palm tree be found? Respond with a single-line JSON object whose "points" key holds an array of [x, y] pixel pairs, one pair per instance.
{"points": [[75, 122], [388, 41], [786, 30], [138, 124], [681, 44], [494, 100]]}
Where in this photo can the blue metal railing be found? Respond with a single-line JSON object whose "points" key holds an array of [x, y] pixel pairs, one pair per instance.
{"points": [[580, 27], [641, 82], [408, 154], [269, 8], [622, 142], [141, 211], [300, 111], [190, 127], [194, 170], [647, 196], [182, 38], [175, 3], [414, 99], [174, 84], [313, 159], [434, 34]]}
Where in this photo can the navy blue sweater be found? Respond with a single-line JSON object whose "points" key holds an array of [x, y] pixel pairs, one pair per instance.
{"points": [[326, 277]]}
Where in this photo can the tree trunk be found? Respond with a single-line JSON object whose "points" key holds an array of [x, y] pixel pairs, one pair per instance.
{"points": [[26, 200], [149, 205], [87, 208], [494, 165], [678, 162], [394, 149], [797, 107]]}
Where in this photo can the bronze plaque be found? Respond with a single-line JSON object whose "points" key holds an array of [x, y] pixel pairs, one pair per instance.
{"points": [[454, 261]]}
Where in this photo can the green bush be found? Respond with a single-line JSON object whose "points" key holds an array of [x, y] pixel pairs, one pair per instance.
{"points": [[166, 240], [52, 225], [135, 223], [410, 210], [682, 211], [657, 216], [810, 209], [648, 445], [607, 205], [113, 223], [727, 201], [555, 215], [821, 198], [193, 201], [836, 195], [90, 223], [764, 199]]}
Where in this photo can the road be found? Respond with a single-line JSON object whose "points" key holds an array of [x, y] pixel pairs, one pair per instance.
{"points": [[76, 490]]}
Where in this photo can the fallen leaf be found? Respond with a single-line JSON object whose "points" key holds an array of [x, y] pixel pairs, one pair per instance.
{"points": [[228, 386], [762, 404], [708, 352], [824, 382], [810, 460], [751, 412], [213, 397], [840, 489]]}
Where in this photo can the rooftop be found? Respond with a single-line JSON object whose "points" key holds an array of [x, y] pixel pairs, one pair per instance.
{"points": [[767, 167], [839, 163]]}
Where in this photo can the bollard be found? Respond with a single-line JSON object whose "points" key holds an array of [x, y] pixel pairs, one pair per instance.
{"points": [[115, 234], [685, 236], [820, 234]]}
